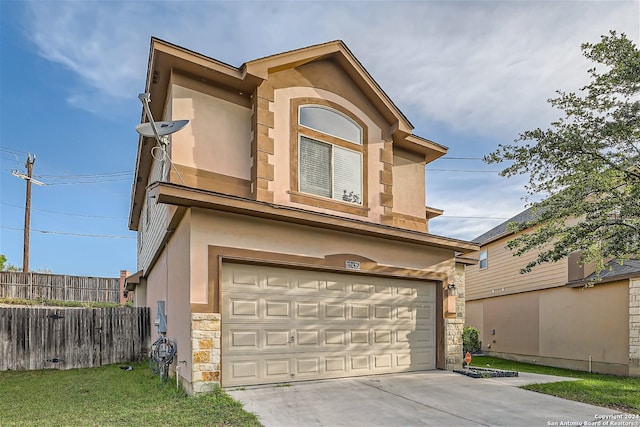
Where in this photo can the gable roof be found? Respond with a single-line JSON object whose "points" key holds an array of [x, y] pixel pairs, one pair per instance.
{"points": [[502, 229], [613, 271], [166, 58], [338, 51]]}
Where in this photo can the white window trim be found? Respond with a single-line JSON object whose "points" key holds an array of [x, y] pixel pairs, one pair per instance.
{"points": [[359, 143], [485, 259], [332, 190]]}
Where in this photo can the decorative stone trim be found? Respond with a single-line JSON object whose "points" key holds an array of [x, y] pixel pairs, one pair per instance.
{"points": [[205, 348], [386, 179], [262, 145], [634, 327], [454, 326]]}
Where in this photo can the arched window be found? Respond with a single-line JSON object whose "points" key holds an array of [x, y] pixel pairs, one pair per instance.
{"points": [[330, 154]]}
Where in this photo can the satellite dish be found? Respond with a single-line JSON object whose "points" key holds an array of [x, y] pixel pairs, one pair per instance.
{"points": [[163, 128]]}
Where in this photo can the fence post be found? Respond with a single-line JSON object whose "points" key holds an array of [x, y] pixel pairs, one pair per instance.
{"points": [[30, 281]]}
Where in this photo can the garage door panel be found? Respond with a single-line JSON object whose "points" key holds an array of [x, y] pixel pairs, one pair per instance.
{"points": [[309, 338], [277, 338], [244, 370], [278, 281], [384, 290], [244, 308], [279, 368], [382, 312], [382, 361], [281, 325], [308, 366], [243, 339], [335, 364], [334, 337], [426, 312], [359, 311], [360, 363], [335, 311], [361, 288], [277, 309], [336, 287], [245, 278], [308, 310], [309, 284], [382, 336], [360, 336]]}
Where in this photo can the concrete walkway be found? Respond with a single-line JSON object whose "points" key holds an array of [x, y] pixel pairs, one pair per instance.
{"points": [[434, 398]]}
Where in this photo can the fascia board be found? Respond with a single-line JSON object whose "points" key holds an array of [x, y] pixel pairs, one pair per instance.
{"points": [[178, 195]]}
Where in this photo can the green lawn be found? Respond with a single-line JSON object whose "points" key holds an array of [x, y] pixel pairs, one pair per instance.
{"points": [[620, 393], [110, 396]]}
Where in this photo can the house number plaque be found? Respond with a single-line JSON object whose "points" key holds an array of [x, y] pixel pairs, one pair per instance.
{"points": [[352, 265]]}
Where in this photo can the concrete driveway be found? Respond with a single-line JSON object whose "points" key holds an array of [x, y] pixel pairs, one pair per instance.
{"points": [[435, 398]]}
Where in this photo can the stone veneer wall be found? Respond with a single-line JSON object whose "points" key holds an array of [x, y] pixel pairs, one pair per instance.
{"points": [[454, 326], [205, 347], [634, 327]]}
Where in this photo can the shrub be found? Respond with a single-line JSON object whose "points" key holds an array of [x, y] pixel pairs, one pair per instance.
{"points": [[471, 340]]}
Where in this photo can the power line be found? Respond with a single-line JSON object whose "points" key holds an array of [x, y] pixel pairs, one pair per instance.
{"points": [[12, 151], [461, 171], [94, 178], [97, 181], [461, 158], [473, 217], [66, 213], [101, 236], [90, 175]]}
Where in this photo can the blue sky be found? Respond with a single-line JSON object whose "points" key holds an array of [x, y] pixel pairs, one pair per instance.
{"points": [[468, 75]]}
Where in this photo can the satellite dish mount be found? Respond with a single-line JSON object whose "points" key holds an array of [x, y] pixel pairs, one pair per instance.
{"points": [[159, 130]]}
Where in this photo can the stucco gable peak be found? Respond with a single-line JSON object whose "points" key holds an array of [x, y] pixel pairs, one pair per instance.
{"points": [[338, 51]]}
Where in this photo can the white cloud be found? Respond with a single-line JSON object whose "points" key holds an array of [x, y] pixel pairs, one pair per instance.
{"points": [[480, 69], [483, 201]]}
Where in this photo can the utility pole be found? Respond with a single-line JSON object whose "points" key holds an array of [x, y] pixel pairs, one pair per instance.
{"points": [[27, 213], [27, 207]]}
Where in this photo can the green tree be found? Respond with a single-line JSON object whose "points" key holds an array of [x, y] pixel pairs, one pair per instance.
{"points": [[5, 266], [471, 340], [585, 166]]}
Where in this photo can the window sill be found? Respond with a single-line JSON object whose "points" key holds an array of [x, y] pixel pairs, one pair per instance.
{"points": [[322, 202]]}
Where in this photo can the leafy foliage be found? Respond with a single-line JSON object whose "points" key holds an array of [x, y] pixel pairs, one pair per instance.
{"points": [[586, 165], [471, 340]]}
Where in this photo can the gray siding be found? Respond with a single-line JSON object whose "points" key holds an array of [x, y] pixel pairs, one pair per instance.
{"points": [[153, 223]]}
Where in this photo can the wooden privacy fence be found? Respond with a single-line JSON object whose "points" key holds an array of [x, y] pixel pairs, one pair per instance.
{"points": [[64, 338], [15, 284]]}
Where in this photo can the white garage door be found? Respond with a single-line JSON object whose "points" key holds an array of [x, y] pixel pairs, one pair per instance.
{"points": [[283, 325]]}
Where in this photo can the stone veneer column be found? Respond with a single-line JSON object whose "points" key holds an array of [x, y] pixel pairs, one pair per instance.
{"points": [[454, 326], [205, 347], [634, 327]]}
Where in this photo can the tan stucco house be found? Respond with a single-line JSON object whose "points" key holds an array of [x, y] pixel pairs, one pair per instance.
{"points": [[290, 236], [553, 315]]}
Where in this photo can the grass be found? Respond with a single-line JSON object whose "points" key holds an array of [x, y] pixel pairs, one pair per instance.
{"points": [[110, 396], [619, 393]]}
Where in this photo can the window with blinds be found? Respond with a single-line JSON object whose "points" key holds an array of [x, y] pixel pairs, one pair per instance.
{"points": [[330, 162]]}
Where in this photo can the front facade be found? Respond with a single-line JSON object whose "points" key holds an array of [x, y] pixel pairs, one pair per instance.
{"points": [[287, 228], [556, 315]]}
